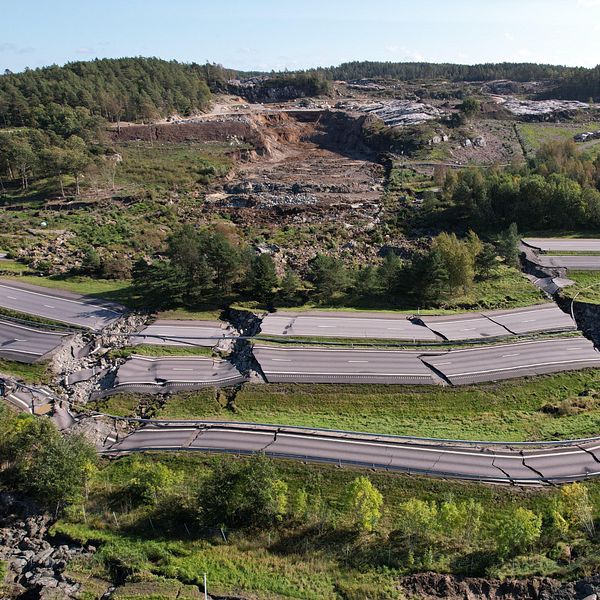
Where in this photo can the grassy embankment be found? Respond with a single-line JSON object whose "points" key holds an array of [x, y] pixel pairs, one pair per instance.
{"points": [[564, 405], [586, 288]]}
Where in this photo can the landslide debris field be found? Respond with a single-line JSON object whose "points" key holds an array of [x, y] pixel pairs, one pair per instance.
{"points": [[298, 166]]}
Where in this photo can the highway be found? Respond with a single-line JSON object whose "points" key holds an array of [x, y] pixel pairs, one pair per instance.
{"points": [[28, 344], [159, 375], [182, 333], [58, 305], [532, 319], [552, 463], [464, 327], [318, 365], [350, 326], [505, 361], [498, 323], [564, 244], [579, 262]]}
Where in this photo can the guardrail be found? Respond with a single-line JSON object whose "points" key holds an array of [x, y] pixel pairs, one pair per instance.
{"points": [[248, 425]]}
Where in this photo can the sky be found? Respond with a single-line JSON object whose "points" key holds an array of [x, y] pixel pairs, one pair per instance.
{"points": [[279, 34]]}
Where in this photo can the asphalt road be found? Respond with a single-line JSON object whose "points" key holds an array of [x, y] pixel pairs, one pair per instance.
{"points": [[464, 327], [532, 319], [181, 333], [505, 361], [28, 344], [350, 326], [491, 464], [146, 374], [31, 400], [317, 365], [573, 262], [58, 306], [564, 244]]}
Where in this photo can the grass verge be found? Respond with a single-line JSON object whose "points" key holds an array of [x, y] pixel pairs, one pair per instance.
{"points": [[540, 408]]}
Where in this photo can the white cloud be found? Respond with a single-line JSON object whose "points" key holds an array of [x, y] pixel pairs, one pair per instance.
{"points": [[589, 3]]}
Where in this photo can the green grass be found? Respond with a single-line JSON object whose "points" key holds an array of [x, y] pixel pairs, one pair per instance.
{"points": [[314, 562], [108, 289], [508, 410], [586, 288], [171, 166], [151, 350], [34, 373], [13, 267], [181, 314], [536, 134], [120, 405]]}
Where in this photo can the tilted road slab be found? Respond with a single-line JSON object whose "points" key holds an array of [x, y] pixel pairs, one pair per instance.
{"points": [[533, 319], [146, 374], [28, 344], [553, 463], [64, 307], [181, 333], [465, 327], [506, 361]]}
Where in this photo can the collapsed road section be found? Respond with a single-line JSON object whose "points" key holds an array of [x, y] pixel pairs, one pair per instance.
{"points": [[522, 464], [28, 343], [163, 374], [506, 361]]}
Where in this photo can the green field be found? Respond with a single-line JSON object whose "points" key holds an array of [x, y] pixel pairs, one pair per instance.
{"points": [[586, 288], [511, 410], [171, 166], [536, 134], [35, 373]]}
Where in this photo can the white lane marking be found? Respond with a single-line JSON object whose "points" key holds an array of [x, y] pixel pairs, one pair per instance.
{"points": [[448, 362], [513, 354], [16, 350], [440, 450], [469, 329], [48, 306], [182, 369], [545, 364], [38, 331], [352, 374], [281, 359], [61, 299], [327, 326], [358, 361], [519, 345], [21, 402], [11, 297]]}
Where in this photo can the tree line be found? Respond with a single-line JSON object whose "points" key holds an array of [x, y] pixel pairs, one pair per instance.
{"points": [[204, 266], [559, 189], [135, 89], [410, 71]]}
